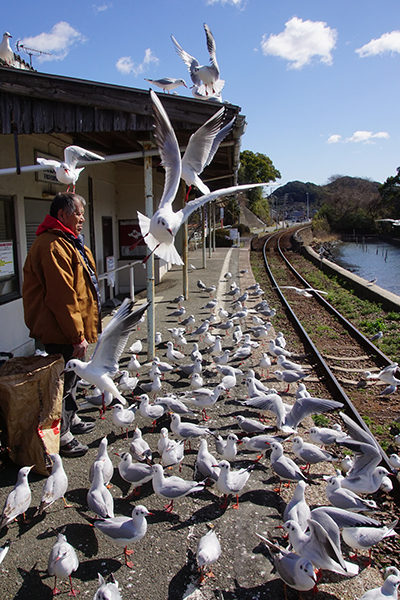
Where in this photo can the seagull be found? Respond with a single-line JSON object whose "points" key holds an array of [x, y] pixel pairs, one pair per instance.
{"points": [[173, 454], [288, 365], [277, 350], [388, 591], [186, 430], [303, 291], [134, 364], [102, 455], [280, 340], [174, 405], [18, 500], [196, 381], [394, 222], [167, 83], [55, 486], [136, 473], [189, 321], [63, 561], [139, 448], [289, 420], [172, 354], [324, 436], [365, 476], [123, 417], [297, 509], [136, 347], [284, 467], [4, 549], [265, 362], [394, 461], [149, 411], [202, 286], [202, 329], [210, 305], [317, 546], [242, 353], [159, 232], [249, 425], [66, 171], [124, 531], [290, 377], [188, 370], [192, 267], [178, 313], [205, 462], [346, 499], [207, 74], [172, 488], [295, 571], [99, 499], [208, 552], [6, 52], [204, 397], [127, 383], [107, 591], [111, 343], [223, 358], [200, 151], [216, 348], [226, 448], [363, 538], [195, 353], [231, 482], [309, 453]]}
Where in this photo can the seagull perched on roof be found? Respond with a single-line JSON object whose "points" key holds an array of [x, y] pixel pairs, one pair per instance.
{"points": [[204, 77], [66, 171], [159, 232], [167, 84], [6, 52]]}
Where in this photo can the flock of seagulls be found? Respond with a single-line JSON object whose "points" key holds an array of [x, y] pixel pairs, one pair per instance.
{"points": [[222, 456]]}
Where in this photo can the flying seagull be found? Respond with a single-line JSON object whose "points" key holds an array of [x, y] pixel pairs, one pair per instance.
{"points": [[66, 171], [208, 75], [159, 232]]}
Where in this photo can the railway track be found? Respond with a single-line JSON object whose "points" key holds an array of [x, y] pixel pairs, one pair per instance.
{"points": [[338, 352]]}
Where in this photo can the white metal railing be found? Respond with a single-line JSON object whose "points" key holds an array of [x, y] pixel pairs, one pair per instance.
{"points": [[109, 276]]}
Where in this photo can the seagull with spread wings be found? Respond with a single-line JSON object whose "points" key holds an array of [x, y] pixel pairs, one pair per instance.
{"points": [[159, 232], [66, 171]]}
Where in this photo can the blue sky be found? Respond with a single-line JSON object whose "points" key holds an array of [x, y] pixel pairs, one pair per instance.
{"points": [[318, 80]]}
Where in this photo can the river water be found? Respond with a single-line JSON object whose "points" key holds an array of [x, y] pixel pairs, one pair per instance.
{"points": [[369, 260]]}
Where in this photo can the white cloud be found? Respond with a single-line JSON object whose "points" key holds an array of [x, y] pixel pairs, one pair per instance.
{"points": [[98, 8], [334, 139], [125, 65], [58, 42], [301, 41], [388, 42], [238, 3], [366, 137]]}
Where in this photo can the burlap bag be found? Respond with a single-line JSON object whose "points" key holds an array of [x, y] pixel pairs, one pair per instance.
{"points": [[31, 392]]}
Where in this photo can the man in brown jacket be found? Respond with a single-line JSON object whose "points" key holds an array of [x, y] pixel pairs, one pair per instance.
{"points": [[62, 301]]}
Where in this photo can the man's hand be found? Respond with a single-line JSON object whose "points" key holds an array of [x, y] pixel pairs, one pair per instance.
{"points": [[80, 349]]}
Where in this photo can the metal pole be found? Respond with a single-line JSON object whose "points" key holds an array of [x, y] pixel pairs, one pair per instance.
{"points": [[132, 282], [185, 257], [209, 230], [213, 224], [203, 233], [148, 192]]}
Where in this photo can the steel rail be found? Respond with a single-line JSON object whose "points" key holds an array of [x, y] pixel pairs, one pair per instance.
{"points": [[354, 414]]}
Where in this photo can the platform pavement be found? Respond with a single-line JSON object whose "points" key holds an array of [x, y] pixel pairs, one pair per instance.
{"points": [[223, 260]]}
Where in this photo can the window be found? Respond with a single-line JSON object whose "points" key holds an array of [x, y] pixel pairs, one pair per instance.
{"points": [[9, 281]]}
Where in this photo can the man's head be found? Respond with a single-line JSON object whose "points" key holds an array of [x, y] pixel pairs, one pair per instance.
{"points": [[69, 209]]}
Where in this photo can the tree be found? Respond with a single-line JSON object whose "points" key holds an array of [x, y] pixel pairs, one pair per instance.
{"points": [[350, 203], [390, 196], [257, 168]]}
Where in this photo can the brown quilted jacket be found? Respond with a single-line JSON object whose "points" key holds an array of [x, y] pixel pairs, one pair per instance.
{"points": [[60, 300]]}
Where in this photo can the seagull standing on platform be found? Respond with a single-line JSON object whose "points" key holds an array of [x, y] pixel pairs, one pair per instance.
{"points": [[66, 171], [159, 232]]}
